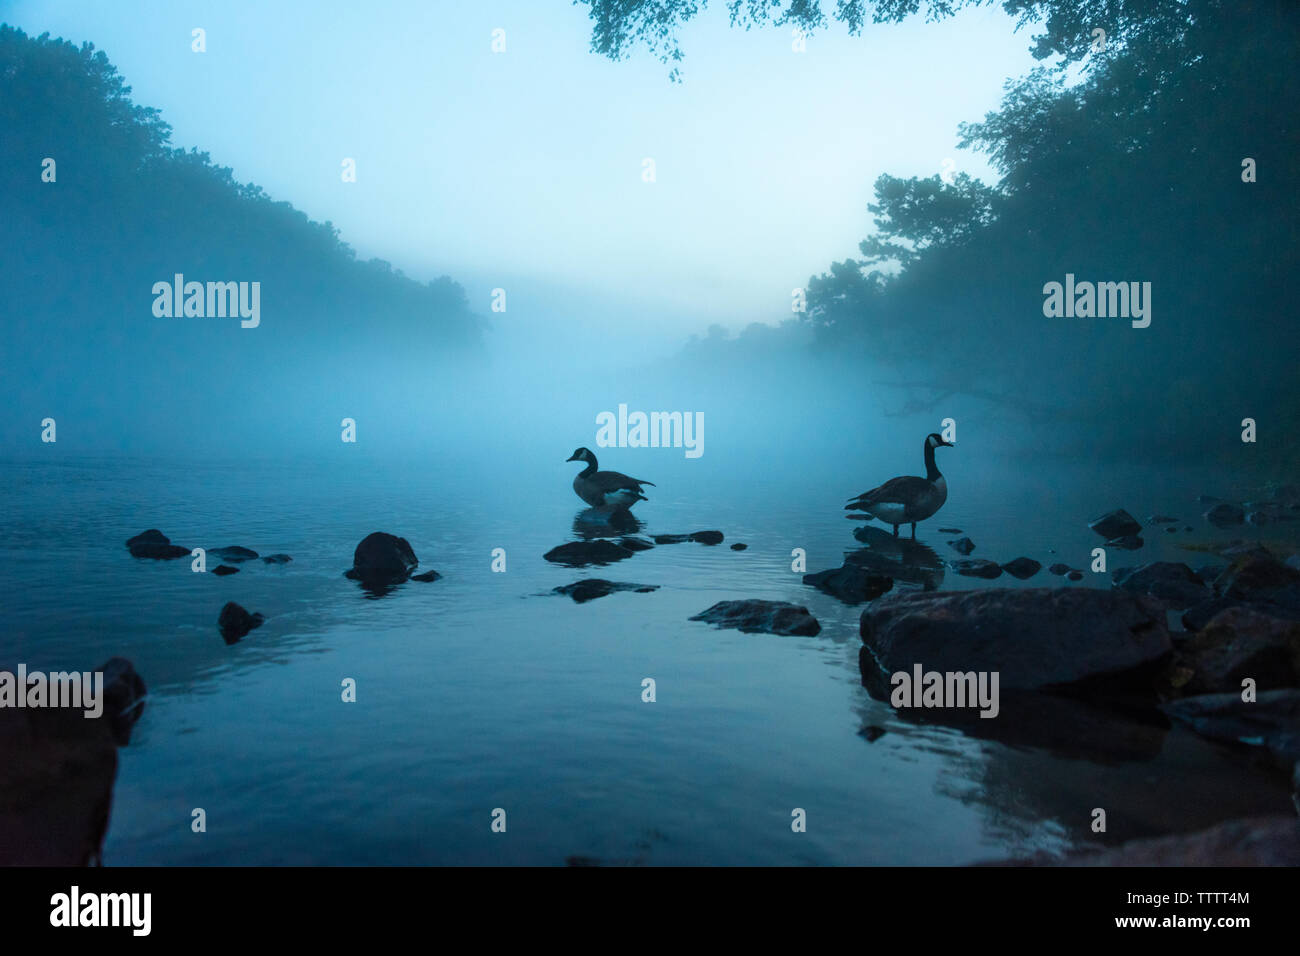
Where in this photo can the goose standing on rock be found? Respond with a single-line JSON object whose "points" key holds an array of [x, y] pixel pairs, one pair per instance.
{"points": [[610, 490], [906, 499]]}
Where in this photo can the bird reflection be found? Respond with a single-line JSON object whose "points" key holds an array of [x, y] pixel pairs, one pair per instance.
{"points": [[902, 559]]}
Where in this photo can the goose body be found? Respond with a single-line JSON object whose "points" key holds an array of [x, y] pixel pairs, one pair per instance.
{"points": [[609, 490], [907, 500]]}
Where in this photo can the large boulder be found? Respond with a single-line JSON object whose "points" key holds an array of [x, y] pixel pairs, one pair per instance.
{"points": [[1033, 637], [154, 544], [850, 583], [1238, 643], [754, 616], [1176, 585], [1022, 568], [1115, 524], [382, 558], [56, 788]]}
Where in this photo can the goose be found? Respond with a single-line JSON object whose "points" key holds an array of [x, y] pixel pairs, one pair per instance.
{"points": [[907, 499], [605, 489]]}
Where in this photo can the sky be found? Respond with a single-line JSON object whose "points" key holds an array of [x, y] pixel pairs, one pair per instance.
{"points": [[523, 170]]}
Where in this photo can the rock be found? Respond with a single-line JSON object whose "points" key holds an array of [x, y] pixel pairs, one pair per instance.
{"points": [[56, 789], [1208, 499], [1188, 528], [872, 733], [154, 544], [633, 543], [962, 545], [124, 697], [1271, 721], [1174, 584], [1075, 575], [1129, 542], [235, 622], [222, 570], [1115, 524], [950, 531], [1254, 841], [1059, 569], [1261, 580], [755, 616], [1238, 643], [1170, 530], [1161, 519], [739, 547], [850, 583], [1199, 615], [277, 559], [703, 537], [233, 553], [1022, 568], [976, 568], [1034, 637], [592, 588], [1224, 515], [426, 576], [1259, 518], [382, 558], [1208, 572], [578, 554]]}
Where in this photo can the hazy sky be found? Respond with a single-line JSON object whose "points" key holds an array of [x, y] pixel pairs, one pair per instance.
{"points": [[524, 169]]}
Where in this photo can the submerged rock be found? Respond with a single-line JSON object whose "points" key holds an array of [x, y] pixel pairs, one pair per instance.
{"points": [[1115, 524], [739, 547], [235, 622], [1022, 568], [1128, 542], [1059, 569], [222, 570], [1075, 575], [1271, 721], [755, 616], [382, 558], [850, 583], [592, 588], [578, 554], [633, 543], [1175, 584], [426, 576], [233, 553], [962, 545], [950, 531], [277, 559], [1225, 515], [976, 568], [1034, 637], [702, 537], [872, 733], [1161, 519], [154, 544]]}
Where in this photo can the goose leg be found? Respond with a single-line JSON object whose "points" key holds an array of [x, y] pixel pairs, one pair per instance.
{"points": [[913, 530], [895, 531]]}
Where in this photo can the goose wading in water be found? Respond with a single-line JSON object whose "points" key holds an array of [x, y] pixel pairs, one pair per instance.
{"points": [[907, 500], [610, 490]]}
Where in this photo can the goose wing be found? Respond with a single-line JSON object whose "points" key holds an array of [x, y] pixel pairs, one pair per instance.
{"points": [[611, 482], [901, 491]]}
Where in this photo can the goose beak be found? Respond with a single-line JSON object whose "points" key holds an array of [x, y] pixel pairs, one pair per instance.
{"points": [[572, 458]]}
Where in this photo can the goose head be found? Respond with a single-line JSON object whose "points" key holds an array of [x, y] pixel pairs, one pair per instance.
{"points": [[582, 454], [932, 441]]}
